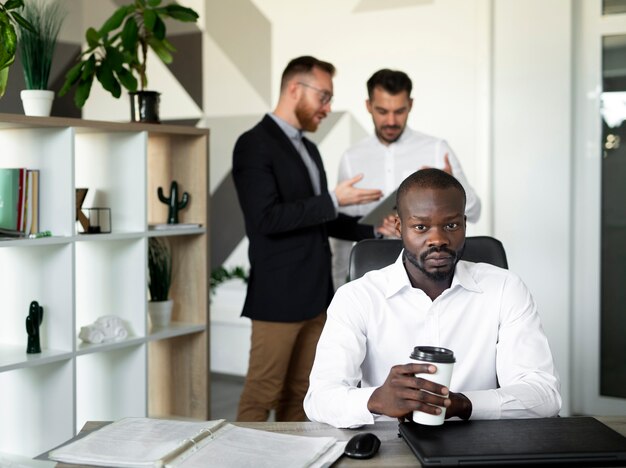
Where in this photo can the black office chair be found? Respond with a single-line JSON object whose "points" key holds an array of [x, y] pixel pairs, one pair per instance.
{"points": [[373, 254]]}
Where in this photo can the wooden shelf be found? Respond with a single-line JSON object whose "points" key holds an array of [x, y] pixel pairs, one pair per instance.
{"points": [[80, 277]]}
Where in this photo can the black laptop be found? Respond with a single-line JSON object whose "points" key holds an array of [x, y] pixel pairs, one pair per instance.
{"points": [[574, 441]]}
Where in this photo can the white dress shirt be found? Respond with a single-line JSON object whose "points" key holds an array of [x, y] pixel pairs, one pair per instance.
{"points": [[384, 167], [487, 317]]}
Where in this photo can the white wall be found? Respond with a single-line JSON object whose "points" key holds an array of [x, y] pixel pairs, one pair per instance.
{"points": [[532, 162]]}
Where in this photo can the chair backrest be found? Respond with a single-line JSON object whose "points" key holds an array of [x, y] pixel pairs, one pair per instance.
{"points": [[373, 254]]}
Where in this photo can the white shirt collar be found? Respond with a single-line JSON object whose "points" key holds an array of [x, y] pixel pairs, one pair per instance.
{"points": [[399, 278]]}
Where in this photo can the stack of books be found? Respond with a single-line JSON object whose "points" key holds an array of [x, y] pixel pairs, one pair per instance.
{"points": [[19, 202]]}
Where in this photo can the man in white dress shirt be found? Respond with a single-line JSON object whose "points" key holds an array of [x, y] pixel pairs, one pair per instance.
{"points": [[393, 153], [428, 297]]}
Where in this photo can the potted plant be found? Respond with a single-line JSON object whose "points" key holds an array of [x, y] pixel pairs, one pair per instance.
{"points": [[222, 274], [36, 47], [159, 281], [117, 53], [9, 18]]}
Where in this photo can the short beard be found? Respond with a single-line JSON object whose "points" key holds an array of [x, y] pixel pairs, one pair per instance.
{"points": [[381, 137], [438, 276], [305, 115]]}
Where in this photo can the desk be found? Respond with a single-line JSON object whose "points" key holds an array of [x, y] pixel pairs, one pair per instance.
{"points": [[393, 450]]}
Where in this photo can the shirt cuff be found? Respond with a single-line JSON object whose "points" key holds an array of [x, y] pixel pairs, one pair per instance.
{"points": [[359, 397], [485, 404]]}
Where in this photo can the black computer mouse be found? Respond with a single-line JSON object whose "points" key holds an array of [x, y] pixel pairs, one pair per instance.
{"points": [[363, 445]]}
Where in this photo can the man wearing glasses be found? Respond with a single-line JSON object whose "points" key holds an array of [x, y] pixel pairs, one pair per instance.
{"points": [[289, 214]]}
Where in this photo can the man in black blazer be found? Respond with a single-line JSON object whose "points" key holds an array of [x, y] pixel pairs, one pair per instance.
{"points": [[289, 214]]}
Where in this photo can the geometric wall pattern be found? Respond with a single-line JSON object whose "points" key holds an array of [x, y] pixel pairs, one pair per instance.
{"points": [[244, 35]]}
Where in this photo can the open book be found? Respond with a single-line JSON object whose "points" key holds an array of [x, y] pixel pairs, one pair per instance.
{"points": [[145, 442]]}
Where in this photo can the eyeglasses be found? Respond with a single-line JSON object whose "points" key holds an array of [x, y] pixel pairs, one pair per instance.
{"points": [[325, 96]]}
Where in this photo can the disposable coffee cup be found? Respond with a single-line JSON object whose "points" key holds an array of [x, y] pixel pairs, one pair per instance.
{"points": [[444, 360]]}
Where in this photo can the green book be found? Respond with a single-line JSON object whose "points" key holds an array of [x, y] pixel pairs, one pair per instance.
{"points": [[9, 198]]}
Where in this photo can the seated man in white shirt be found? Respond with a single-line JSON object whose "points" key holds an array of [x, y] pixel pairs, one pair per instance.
{"points": [[393, 153], [483, 313]]}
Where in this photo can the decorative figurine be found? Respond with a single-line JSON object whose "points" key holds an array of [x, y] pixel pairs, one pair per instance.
{"points": [[81, 194], [172, 201], [33, 321], [104, 329]]}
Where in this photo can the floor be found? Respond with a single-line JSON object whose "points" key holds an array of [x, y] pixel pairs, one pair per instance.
{"points": [[225, 393]]}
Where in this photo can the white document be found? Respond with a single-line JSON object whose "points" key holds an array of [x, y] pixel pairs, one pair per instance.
{"points": [[382, 210], [145, 442]]}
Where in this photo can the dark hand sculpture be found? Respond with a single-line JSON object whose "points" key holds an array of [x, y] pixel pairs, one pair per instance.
{"points": [[172, 201], [33, 321]]}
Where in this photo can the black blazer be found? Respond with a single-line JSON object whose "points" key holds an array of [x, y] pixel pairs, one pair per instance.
{"points": [[287, 226]]}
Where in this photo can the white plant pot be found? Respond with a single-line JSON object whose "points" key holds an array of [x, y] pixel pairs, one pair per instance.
{"points": [[160, 312], [37, 102]]}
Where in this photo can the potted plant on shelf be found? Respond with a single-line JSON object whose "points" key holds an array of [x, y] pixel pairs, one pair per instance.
{"points": [[117, 53], [159, 281], [36, 47], [9, 18]]}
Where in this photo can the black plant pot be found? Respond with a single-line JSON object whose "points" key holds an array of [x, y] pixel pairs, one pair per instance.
{"points": [[144, 106]]}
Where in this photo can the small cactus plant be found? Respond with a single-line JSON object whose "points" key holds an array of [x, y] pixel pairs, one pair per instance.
{"points": [[172, 202]]}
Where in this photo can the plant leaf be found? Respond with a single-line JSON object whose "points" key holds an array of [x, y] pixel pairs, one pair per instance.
{"points": [[114, 58], [127, 79], [115, 21], [105, 76], [181, 13], [93, 37], [71, 77], [4, 77], [130, 34], [159, 29], [24, 24], [149, 19], [8, 40], [82, 92], [168, 45], [154, 3], [160, 49], [89, 68], [13, 4]]}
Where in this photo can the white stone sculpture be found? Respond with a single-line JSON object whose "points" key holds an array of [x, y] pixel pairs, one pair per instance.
{"points": [[104, 329]]}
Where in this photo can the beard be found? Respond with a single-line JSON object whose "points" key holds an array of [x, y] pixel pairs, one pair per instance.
{"points": [[381, 135], [438, 275], [306, 116]]}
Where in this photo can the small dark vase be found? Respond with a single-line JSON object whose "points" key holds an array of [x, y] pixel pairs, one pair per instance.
{"points": [[144, 106]]}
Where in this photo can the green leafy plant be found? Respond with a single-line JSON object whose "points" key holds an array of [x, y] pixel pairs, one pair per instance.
{"points": [[37, 46], [159, 269], [221, 274], [9, 18], [117, 52]]}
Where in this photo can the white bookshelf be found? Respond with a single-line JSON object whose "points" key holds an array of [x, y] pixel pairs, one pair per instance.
{"points": [[46, 398]]}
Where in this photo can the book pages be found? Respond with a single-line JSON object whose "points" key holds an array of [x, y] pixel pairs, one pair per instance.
{"points": [[131, 442], [234, 446], [146, 442]]}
